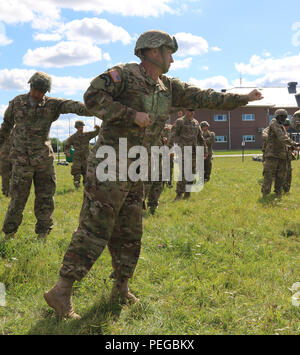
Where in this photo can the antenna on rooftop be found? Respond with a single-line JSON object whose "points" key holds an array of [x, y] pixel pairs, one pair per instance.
{"points": [[241, 80]]}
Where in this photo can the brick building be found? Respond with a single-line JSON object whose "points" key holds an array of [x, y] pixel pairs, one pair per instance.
{"points": [[246, 123]]}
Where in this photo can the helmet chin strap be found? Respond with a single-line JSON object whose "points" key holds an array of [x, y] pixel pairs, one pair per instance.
{"points": [[162, 65]]}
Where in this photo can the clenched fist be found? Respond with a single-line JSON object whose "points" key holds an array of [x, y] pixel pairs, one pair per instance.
{"points": [[255, 95], [142, 119]]}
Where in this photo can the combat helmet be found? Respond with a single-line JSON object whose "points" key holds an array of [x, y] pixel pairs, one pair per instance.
{"points": [[281, 115], [154, 39], [79, 124], [41, 81], [296, 121]]}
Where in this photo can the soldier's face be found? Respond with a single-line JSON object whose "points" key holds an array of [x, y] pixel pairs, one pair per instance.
{"points": [[80, 129], [36, 94], [189, 114], [204, 128]]}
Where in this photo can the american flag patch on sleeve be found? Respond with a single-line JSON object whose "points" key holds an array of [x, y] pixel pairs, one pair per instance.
{"points": [[115, 76]]}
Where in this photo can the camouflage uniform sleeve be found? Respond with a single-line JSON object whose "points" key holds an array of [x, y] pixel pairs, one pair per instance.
{"points": [[177, 129], [71, 106], [282, 137], [68, 144], [101, 98], [8, 123], [94, 133], [201, 141], [189, 96], [171, 137]]}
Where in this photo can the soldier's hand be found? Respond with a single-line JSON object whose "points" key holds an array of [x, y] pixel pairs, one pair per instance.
{"points": [[255, 95], [165, 140], [205, 156], [96, 126], [142, 119], [68, 155]]}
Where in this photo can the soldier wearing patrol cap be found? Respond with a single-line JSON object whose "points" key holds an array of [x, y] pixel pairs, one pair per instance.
{"points": [[134, 102], [276, 145], [209, 139], [81, 144], [28, 119]]}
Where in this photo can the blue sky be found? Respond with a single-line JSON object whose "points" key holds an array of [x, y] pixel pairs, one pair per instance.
{"points": [[75, 40]]}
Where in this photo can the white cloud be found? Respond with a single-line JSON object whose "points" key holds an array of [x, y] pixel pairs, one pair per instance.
{"points": [[17, 79], [106, 56], [270, 71], [63, 54], [47, 13], [181, 64], [216, 49], [216, 83], [45, 37], [189, 44], [2, 110], [4, 41], [96, 30]]}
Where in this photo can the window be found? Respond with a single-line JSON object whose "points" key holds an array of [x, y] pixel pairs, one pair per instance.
{"points": [[249, 139], [220, 118], [221, 139], [248, 117]]}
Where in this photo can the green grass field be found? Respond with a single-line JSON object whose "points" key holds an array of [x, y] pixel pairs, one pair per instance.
{"points": [[221, 263]]}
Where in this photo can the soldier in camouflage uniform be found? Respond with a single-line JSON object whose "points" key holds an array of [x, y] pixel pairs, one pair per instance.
{"points": [[28, 118], [81, 144], [6, 167], [188, 133], [134, 102], [153, 189], [275, 154], [290, 157], [209, 139]]}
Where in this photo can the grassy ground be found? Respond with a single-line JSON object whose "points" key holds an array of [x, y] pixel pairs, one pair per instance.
{"points": [[221, 263]]}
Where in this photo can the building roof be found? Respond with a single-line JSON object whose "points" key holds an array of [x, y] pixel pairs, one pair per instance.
{"points": [[276, 97]]}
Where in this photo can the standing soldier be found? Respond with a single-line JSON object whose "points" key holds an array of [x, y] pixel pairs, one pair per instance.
{"points": [[290, 157], [29, 118], [153, 189], [134, 101], [209, 139], [275, 154], [81, 144], [188, 133], [5, 167]]}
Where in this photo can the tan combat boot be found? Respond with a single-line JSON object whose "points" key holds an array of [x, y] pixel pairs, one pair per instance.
{"points": [[121, 291], [60, 299]]}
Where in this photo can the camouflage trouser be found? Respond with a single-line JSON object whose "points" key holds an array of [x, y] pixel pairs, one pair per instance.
{"points": [[288, 182], [5, 171], [79, 167], [111, 215], [171, 167], [153, 191], [181, 185], [207, 168], [274, 169], [44, 180]]}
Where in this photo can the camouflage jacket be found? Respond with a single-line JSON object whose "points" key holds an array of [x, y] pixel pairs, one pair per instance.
{"points": [[277, 141], [30, 126], [81, 143], [209, 139], [188, 133], [118, 94], [5, 149]]}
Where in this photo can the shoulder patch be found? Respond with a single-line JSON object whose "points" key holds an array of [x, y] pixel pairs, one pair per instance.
{"points": [[115, 76]]}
